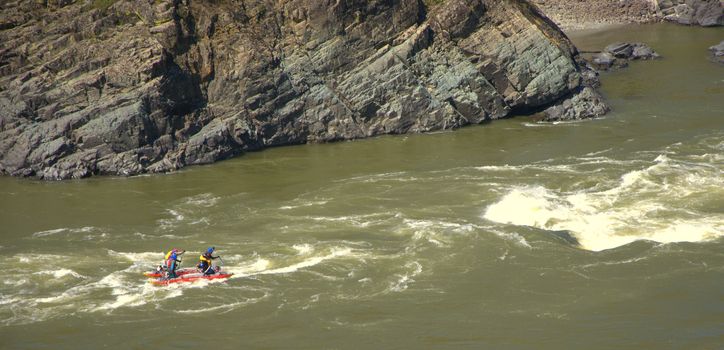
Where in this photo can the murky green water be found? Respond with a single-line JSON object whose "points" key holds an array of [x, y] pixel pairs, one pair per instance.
{"points": [[462, 239]]}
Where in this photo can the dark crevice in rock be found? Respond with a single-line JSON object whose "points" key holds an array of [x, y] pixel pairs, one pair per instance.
{"points": [[191, 82]]}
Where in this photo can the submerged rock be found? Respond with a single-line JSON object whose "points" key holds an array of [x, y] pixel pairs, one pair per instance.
{"points": [[138, 86], [717, 52]]}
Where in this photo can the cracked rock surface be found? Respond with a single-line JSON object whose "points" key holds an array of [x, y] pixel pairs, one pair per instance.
{"points": [[144, 86]]}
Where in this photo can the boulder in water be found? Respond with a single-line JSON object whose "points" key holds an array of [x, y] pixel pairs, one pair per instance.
{"points": [[620, 50], [617, 55], [643, 52], [583, 104], [717, 52], [605, 61], [631, 51]]}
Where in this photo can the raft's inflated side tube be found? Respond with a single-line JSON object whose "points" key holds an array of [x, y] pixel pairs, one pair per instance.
{"points": [[191, 278], [179, 272]]}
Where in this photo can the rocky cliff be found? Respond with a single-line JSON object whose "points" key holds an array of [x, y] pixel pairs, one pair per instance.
{"points": [[135, 86]]}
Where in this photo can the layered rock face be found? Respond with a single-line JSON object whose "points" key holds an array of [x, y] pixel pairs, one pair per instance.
{"points": [[134, 86]]}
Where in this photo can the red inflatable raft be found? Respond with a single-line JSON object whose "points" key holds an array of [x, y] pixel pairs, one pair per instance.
{"points": [[179, 272], [191, 277]]}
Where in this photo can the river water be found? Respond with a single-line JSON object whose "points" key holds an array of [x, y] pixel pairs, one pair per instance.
{"points": [[512, 235]]}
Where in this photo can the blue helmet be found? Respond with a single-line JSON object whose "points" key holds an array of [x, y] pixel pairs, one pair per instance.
{"points": [[210, 250]]}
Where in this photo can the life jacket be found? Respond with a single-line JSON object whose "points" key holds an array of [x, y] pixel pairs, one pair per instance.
{"points": [[205, 260], [170, 258]]}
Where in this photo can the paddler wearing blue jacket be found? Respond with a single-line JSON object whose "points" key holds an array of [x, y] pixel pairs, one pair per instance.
{"points": [[172, 260], [205, 262]]}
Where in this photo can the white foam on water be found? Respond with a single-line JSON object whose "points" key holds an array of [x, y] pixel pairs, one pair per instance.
{"points": [[618, 262], [204, 200], [60, 273], [303, 205], [360, 221], [309, 262], [54, 299], [303, 249], [403, 281], [599, 152], [372, 178], [137, 296], [572, 165], [177, 218], [15, 282], [225, 307], [254, 268], [554, 123], [203, 220], [121, 300], [124, 288], [505, 167], [140, 259], [49, 232], [504, 256], [176, 215], [38, 258], [436, 232], [233, 258], [645, 204], [511, 236], [130, 290], [86, 229], [66, 296], [421, 224], [261, 266], [140, 235], [4, 300]]}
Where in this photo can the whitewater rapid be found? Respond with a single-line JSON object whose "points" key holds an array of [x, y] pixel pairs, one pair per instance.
{"points": [[669, 198]]}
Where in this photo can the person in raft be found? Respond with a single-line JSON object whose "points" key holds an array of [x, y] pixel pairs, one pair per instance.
{"points": [[205, 262], [172, 260]]}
